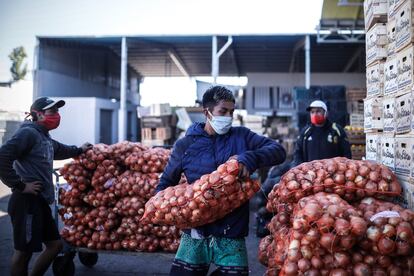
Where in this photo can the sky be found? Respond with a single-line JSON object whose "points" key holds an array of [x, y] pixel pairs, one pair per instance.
{"points": [[22, 20]]}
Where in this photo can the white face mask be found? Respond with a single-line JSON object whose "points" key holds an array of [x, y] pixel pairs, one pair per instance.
{"points": [[220, 124]]}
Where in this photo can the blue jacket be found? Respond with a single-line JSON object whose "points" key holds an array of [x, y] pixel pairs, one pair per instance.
{"points": [[198, 153]]}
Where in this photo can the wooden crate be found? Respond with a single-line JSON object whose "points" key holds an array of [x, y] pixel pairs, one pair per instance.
{"points": [[403, 105], [160, 133], [376, 41], [389, 114], [355, 135], [405, 67], [375, 11], [373, 120], [373, 147], [375, 80], [404, 155], [356, 120], [157, 121], [388, 146], [390, 76], [355, 107], [404, 25], [355, 94], [357, 151], [391, 36]]}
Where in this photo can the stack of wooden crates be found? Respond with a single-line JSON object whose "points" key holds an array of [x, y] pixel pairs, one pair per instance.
{"points": [[157, 126], [355, 129], [388, 108]]}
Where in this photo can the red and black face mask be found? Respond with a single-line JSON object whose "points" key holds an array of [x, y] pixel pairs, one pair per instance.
{"points": [[49, 121], [318, 119]]}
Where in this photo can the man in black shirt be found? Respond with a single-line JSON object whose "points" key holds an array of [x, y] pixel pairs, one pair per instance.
{"points": [[322, 138], [26, 166]]}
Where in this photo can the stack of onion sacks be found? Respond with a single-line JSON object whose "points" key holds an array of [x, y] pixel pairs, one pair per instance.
{"points": [[324, 229], [208, 199], [99, 210], [350, 179]]}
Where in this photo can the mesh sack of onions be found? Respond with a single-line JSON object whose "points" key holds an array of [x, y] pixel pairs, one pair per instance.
{"points": [[130, 206], [132, 183], [148, 161], [263, 250], [106, 198], [91, 158], [76, 175], [101, 218], [69, 196], [105, 175], [390, 228], [323, 229], [120, 151], [350, 179], [210, 198]]}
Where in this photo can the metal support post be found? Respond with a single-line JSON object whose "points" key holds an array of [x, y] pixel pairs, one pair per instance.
{"points": [[215, 56], [122, 115], [307, 62]]}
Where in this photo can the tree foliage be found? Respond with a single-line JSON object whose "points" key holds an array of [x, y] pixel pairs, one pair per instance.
{"points": [[18, 69]]}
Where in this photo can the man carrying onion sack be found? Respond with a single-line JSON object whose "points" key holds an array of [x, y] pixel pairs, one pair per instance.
{"points": [[26, 166], [322, 138], [201, 151]]}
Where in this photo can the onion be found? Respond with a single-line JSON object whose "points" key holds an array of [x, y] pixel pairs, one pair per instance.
{"points": [[290, 268], [325, 223], [312, 235], [328, 241], [316, 262], [358, 226], [312, 211], [403, 248], [361, 269], [373, 233], [342, 259], [394, 270], [338, 272], [386, 245], [342, 226], [404, 231], [306, 252], [304, 265]]}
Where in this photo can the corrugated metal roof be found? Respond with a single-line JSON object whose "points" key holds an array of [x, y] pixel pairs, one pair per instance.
{"points": [[149, 55]]}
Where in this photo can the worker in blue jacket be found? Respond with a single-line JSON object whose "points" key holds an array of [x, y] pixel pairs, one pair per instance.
{"points": [[322, 138], [201, 151]]}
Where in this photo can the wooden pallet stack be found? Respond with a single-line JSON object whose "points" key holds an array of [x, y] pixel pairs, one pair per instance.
{"points": [[157, 125], [388, 108]]}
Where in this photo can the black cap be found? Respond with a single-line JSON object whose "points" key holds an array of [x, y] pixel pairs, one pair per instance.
{"points": [[44, 103]]}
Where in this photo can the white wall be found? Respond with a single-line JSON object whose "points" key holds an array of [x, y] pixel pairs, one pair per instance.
{"points": [[53, 84], [17, 98], [80, 120]]}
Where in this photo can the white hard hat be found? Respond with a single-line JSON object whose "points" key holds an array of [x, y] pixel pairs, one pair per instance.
{"points": [[317, 103]]}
